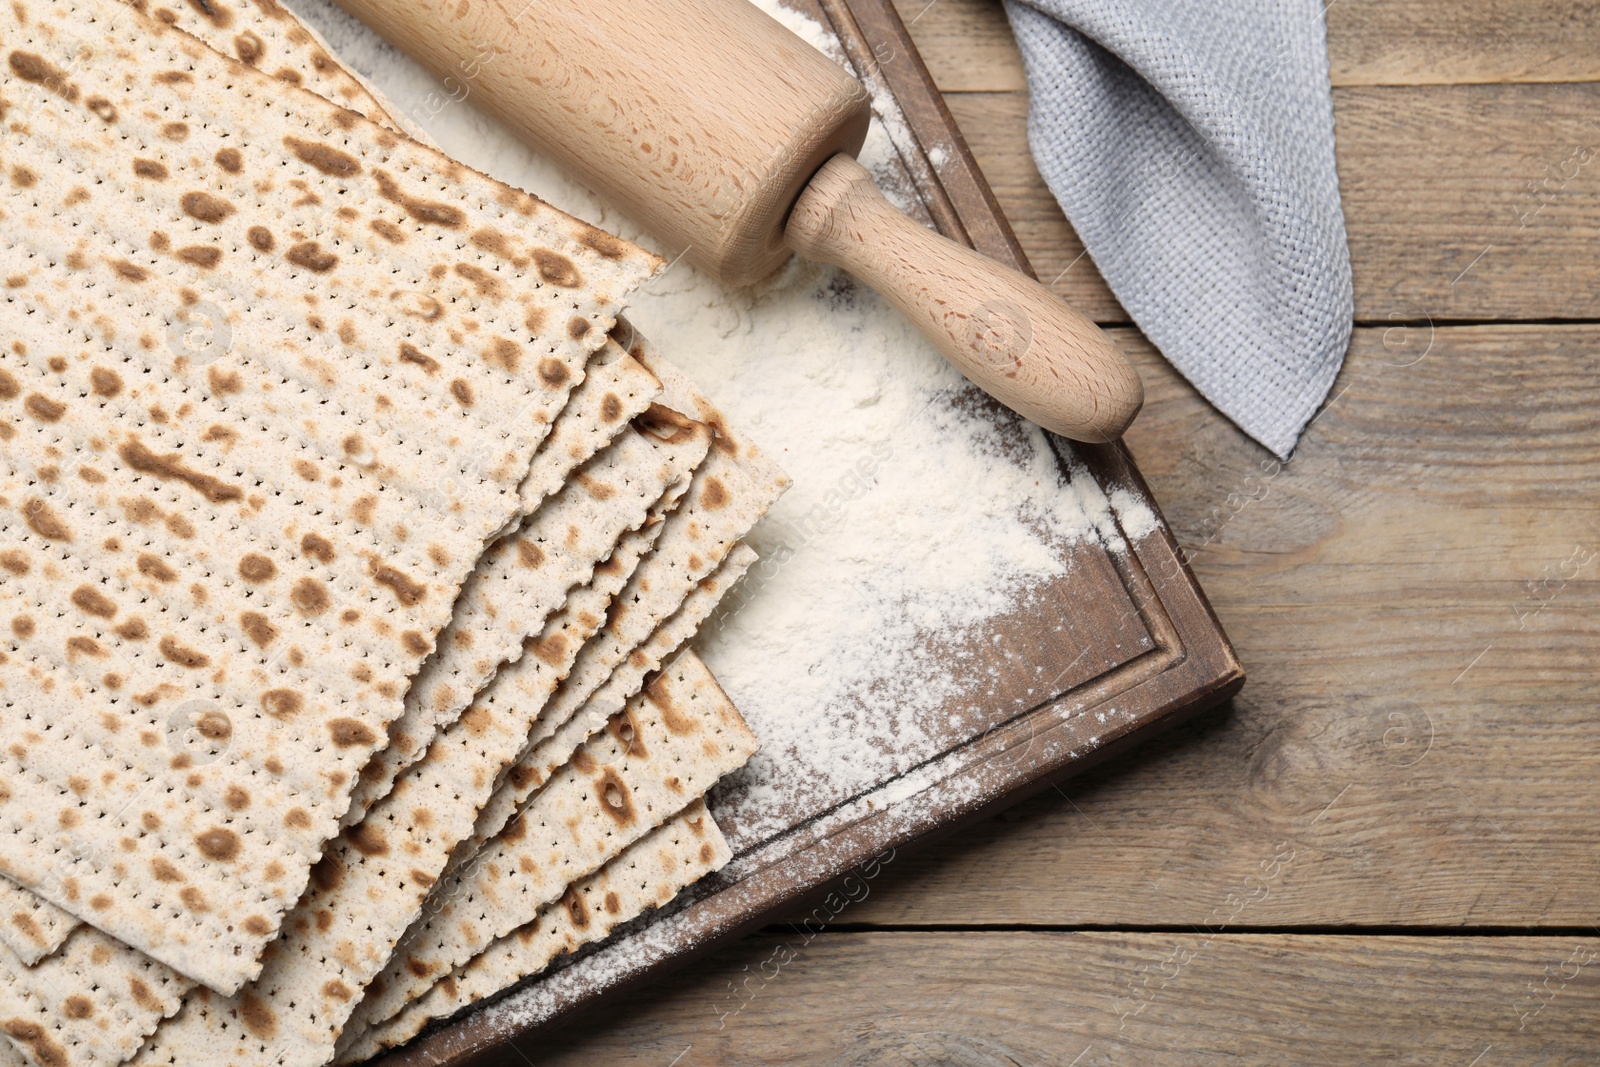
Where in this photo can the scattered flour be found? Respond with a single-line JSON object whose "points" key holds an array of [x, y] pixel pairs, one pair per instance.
{"points": [[916, 516]]}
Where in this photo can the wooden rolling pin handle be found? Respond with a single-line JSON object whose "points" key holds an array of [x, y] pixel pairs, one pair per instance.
{"points": [[1008, 334]]}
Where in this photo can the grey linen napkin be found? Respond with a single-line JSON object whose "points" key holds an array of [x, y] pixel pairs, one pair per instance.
{"points": [[1190, 143]]}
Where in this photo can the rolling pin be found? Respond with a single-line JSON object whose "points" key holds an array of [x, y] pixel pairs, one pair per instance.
{"points": [[730, 138]]}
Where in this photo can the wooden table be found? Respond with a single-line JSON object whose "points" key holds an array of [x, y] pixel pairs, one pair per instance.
{"points": [[1385, 849]]}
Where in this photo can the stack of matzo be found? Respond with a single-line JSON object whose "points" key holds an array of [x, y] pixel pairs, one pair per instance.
{"points": [[346, 561]]}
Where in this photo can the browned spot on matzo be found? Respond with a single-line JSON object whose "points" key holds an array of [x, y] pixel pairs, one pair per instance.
{"points": [[557, 269], [258, 628], [405, 589], [326, 158], [248, 47], [205, 207], [317, 547], [485, 282], [155, 567], [310, 596], [410, 353], [349, 732], [615, 798], [43, 408], [33, 1036], [257, 1017], [256, 568], [554, 372], [105, 382], [282, 703], [171, 467], [219, 844], [207, 256], [32, 67], [174, 651], [90, 601], [577, 910], [423, 210], [606, 244], [312, 256], [504, 353]]}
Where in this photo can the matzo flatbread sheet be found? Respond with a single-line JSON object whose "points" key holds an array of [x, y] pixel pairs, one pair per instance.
{"points": [[668, 746], [733, 489], [89, 1004], [128, 228], [680, 394], [530, 682], [648, 874], [268, 36], [31, 927], [587, 700], [373, 880], [615, 390], [271, 38], [629, 461], [551, 751], [521, 580]]}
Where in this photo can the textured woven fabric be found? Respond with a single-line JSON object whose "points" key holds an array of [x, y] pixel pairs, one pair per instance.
{"points": [[1191, 146]]}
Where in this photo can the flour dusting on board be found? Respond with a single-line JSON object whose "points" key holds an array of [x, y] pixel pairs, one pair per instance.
{"points": [[916, 516]]}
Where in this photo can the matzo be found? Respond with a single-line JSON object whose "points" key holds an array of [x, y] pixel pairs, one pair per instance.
{"points": [[266, 35], [666, 747], [616, 389], [521, 580], [178, 457], [734, 487], [583, 705], [372, 881], [648, 874], [639, 460], [682, 395], [31, 927], [90, 1004]]}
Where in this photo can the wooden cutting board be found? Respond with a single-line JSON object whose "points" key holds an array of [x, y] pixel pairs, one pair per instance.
{"points": [[1126, 639]]}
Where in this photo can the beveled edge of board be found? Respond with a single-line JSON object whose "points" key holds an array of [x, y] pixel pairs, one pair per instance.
{"points": [[1191, 669]]}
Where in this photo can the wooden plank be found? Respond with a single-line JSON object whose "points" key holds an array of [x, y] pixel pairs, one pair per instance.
{"points": [[1468, 202], [1416, 598], [967, 44], [969, 48], [1435, 178], [1102, 999]]}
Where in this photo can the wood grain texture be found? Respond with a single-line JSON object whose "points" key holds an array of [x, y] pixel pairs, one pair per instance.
{"points": [[1462, 202], [703, 119], [1107, 1000], [1416, 596], [968, 45]]}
